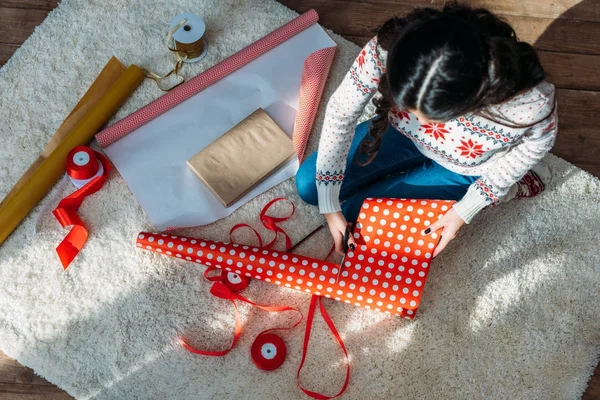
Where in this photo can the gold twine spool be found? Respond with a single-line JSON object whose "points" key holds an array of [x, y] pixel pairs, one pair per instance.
{"points": [[191, 50], [182, 51]]}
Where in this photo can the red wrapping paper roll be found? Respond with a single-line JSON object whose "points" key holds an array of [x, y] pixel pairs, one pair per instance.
{"points": [[387, 272]]}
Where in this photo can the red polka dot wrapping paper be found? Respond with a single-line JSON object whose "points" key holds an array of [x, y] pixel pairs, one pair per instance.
{"points": [[386, 272]]}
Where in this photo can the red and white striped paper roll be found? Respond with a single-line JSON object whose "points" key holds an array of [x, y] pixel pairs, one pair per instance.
{"points": [[386, 272], [314, 77]]}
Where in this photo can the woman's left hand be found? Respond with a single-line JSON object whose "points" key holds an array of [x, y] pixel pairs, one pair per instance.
{"points": [[450, 224]]}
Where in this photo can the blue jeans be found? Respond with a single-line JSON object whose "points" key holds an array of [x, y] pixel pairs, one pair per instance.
{"points": [[398, 171]]}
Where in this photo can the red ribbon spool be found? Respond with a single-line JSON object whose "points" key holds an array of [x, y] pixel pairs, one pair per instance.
{"points": [[82, 163], [268, 351], [235, 282]]}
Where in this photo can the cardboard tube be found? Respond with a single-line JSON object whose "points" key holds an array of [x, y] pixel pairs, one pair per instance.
{"points": [[18, 206]]}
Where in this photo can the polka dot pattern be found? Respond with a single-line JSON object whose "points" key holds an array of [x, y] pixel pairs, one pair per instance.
{"points": [[386, 268], [373, 276]]}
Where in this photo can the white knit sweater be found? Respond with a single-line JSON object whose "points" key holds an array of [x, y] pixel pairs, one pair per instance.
{"points": [[469, 145]]}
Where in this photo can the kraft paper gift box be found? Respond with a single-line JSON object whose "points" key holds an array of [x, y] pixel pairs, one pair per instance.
{"points": [[243, 157]]}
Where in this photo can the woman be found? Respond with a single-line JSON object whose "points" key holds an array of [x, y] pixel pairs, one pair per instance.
{"points": [[465, 114]]}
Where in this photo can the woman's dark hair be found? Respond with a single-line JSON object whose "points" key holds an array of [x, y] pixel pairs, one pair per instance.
{"points": [[446, 63]]}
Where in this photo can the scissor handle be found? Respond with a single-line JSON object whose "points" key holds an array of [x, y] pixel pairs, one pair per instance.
{"points": [[346, 237]]}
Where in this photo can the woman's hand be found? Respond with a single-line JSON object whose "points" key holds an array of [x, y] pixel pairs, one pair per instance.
{"points": [[337, 226], [450, 224]]}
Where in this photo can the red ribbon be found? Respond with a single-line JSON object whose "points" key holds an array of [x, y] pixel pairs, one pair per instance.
{"points": [[275, 349], [218, 289], [214, 274], [222, 290], [238, 226], [309, 320], [271, 222], [66, 212]]}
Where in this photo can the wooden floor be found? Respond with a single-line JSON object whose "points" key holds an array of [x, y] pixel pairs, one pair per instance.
{"points": [[565, 32]]}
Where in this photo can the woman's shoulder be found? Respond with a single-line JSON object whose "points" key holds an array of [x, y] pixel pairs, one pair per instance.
{"points": [[528, 107], [376, 50]]}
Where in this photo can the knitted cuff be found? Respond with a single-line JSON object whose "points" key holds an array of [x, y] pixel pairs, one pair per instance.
{"points": [[471, 204], [329, 198]]}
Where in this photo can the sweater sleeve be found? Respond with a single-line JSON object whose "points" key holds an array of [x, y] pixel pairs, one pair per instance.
{"points": [[344, 108], [496, 182]]}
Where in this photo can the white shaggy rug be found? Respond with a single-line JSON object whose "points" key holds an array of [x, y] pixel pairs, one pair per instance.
{"points": [[511, 308]]}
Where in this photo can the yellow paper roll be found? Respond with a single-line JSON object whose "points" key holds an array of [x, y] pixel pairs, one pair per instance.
{"points": [[18, 206]]}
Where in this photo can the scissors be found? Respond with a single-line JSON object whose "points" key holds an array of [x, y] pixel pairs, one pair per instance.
{"points": [[346, 238], [345, 248]]}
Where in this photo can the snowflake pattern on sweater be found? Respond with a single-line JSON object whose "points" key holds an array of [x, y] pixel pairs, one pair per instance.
{"points": [[500, 152]]}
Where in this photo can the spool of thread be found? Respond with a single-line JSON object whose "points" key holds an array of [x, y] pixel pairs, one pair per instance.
{"points": [[189, 37]]}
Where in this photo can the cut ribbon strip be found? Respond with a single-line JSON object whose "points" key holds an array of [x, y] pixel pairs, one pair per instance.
{"points": [[309, 320], [80, 164], [218, 289], [239, 226], [271, 222]]}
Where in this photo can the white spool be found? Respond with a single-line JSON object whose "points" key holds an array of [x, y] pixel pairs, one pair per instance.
{"points": [[268, 351], [79, 183], [81, 158], [191, 32]]}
